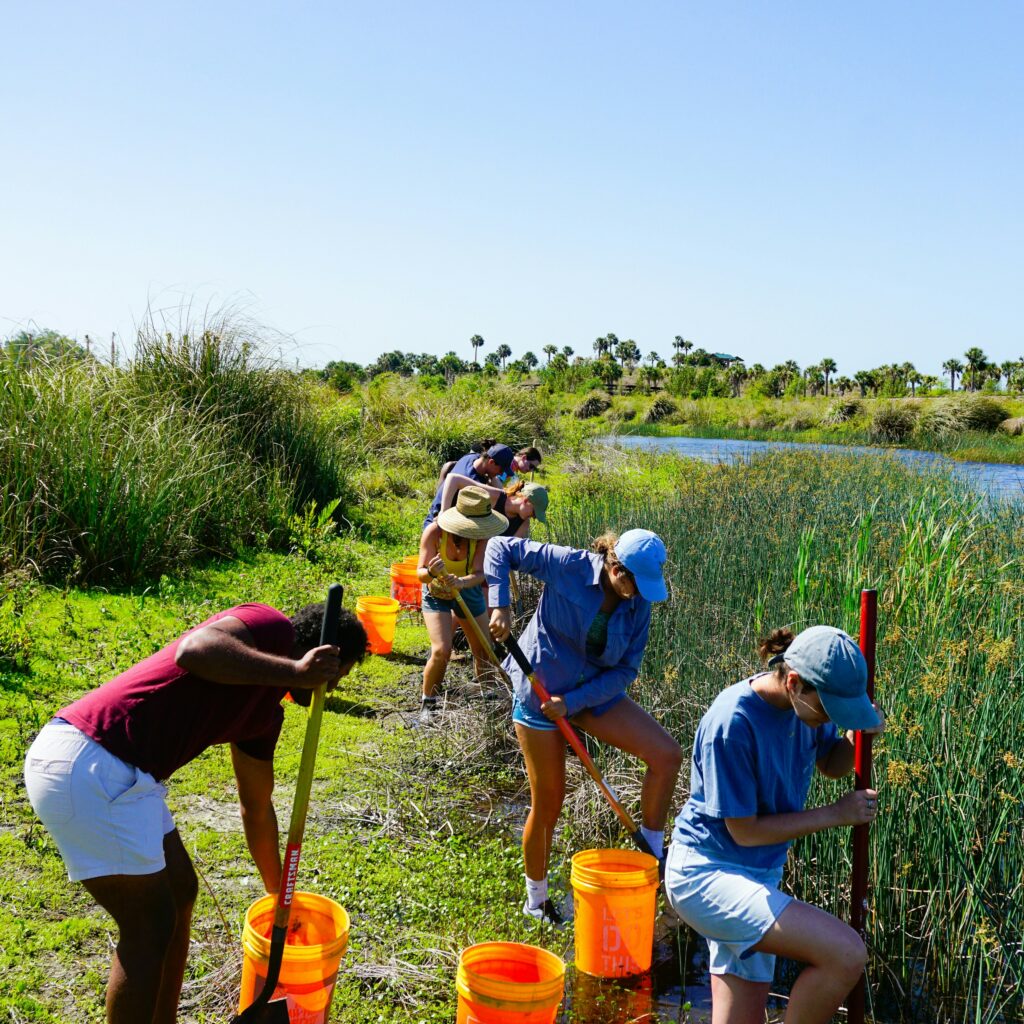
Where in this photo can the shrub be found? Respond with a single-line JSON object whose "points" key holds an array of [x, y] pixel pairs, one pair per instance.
{"points": [[596, 404], [799, 421], [659, 409], [981, 412], [1014, 426], [892, 423], [841, 410]]}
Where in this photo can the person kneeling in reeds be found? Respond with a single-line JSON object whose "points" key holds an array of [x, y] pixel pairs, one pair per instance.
{"points": [[753, 759]]}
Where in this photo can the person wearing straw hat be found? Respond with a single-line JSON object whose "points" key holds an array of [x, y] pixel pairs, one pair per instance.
{"points": [[451, 561], [95, 777], [519, 501], [754, 755], [586, 641]]}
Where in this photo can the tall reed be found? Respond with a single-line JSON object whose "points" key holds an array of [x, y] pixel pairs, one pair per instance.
{"points": [[791, 539]]}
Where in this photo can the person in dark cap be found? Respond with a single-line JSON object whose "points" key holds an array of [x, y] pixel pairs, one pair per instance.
{"points": [[484, 468], [754, 755]]}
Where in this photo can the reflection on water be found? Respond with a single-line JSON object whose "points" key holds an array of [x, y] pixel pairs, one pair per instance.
{"points": [[994, 479]]}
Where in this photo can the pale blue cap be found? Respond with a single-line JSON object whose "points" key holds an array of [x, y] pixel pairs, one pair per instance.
{"points": [[643, 554], [833, 664]]}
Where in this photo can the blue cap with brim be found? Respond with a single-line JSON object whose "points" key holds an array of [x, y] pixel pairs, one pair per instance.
{"points": [[833, 664], [643, 554]]}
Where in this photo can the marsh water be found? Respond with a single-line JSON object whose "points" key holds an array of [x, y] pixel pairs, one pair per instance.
{"points": [[994, 479]]}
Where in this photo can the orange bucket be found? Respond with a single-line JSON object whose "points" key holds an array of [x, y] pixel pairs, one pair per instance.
{"points": [[615, 896], [379, 615], [317, 938], [405, 584], [508, 983]]}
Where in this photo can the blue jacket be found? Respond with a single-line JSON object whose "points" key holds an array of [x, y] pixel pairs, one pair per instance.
{"points": [[555, 639]]}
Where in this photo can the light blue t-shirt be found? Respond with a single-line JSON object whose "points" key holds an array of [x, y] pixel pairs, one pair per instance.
{"points": [[749, 758]]}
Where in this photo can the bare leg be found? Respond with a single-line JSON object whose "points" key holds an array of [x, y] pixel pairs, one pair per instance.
{"points": [[630, 728], [143, 908], [439, 629], [737, 1001], [184, 889], [483, 666], [545, 765], [834, 954]]}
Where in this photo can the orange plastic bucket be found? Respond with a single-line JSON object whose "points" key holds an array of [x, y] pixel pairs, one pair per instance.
{"points": [[379, 616], [405, 584], [508, 983], [615, 896], [317, 938]]}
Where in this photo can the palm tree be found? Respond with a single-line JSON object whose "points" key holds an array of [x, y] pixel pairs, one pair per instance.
{"points": [[529, 360], [477, 342], [913, 379], [828, 367], [567, 351], [503, 352], [976, 359], [954, 368], [628, 353], [549, 351], [790, 369], [653, 358], [865, 379], [601, 345]]}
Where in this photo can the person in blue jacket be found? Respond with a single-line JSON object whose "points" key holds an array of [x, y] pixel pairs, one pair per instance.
{"points": [[585, 641], [754, 756]]}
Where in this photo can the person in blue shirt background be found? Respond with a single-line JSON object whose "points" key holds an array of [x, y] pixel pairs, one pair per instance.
{"points": [[754, 757], [484, 468], [585, 641]]}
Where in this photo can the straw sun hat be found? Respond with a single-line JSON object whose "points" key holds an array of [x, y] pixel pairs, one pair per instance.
{"points": [[472, 516]]}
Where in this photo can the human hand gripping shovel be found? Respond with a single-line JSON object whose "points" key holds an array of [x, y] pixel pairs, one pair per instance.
{"points": [[263, 1010], [512, 646]]}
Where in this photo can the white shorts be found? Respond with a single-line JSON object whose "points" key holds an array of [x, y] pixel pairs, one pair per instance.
{"points": [[732, 907], [107, 817]]}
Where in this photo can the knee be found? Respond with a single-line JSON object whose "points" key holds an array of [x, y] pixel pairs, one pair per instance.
{"points": [[667, 759], [847, 957], [545, 810], [441, 654]]}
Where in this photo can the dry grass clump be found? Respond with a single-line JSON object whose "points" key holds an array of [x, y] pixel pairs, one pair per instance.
{"points": [[592, 405], [841, 410], [1013, 426], [892, 423], [659, 409]]}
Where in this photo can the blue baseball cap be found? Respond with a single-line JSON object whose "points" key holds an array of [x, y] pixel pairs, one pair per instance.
{"points": [[643, 554], [833, 664], [502, 455]]}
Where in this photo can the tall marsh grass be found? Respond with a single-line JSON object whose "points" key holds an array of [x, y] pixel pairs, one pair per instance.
{"points": [[791, 538]]}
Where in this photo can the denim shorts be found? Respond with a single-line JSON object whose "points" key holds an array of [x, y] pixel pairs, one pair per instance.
{"points": [[106, 816], [474, 598], [524, 714], [732, 907]]}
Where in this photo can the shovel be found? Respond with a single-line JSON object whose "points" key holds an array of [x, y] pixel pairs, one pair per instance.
{"points": [[262, 1010]]}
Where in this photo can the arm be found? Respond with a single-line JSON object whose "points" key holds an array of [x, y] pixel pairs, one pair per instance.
{"points": [[545, 562], [255, 788], [615, 680], [445, 470], [857, 807], [225, 652], [456, 481]]}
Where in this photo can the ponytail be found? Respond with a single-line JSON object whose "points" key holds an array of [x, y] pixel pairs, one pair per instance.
{"points": [[774, 646], [605, 545]]}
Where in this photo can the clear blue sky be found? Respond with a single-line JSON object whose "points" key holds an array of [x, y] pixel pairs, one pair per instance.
{"points": [[775, 180]]}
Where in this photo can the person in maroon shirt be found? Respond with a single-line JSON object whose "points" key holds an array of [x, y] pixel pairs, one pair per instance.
{"points": [[94, 775]]}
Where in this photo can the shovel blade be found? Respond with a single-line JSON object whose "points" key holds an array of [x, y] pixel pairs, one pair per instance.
{"points": [[274, 1012]]}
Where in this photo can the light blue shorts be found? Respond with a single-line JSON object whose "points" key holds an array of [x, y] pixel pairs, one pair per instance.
{"points": [[525, 715], [106, 816], [732, 907], [474, 598]]}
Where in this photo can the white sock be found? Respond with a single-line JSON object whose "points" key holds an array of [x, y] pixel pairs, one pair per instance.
{"points": [[655, 840], [536, 892]]}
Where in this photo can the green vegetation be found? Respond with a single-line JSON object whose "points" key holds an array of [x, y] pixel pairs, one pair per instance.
{"points": [[137, 499], [791, 539]]}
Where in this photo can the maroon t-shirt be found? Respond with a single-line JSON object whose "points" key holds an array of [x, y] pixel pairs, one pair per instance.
{"points": [[158, 717]]}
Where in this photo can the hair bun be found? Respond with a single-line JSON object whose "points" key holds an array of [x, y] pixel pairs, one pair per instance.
{"points": [[775, 644]]}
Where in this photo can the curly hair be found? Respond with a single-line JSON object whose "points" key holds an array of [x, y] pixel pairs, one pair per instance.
{"points": [[308, 622], [776, 643], [605, 545]]}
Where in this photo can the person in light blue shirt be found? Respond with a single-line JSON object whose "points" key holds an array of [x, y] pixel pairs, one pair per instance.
{"points": [[754, 757], [586, 642]]}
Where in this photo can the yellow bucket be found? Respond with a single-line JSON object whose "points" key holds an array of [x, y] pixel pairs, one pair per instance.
{"points": [[508, 983], [379, 616], [615, 896], [317, 938]]}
